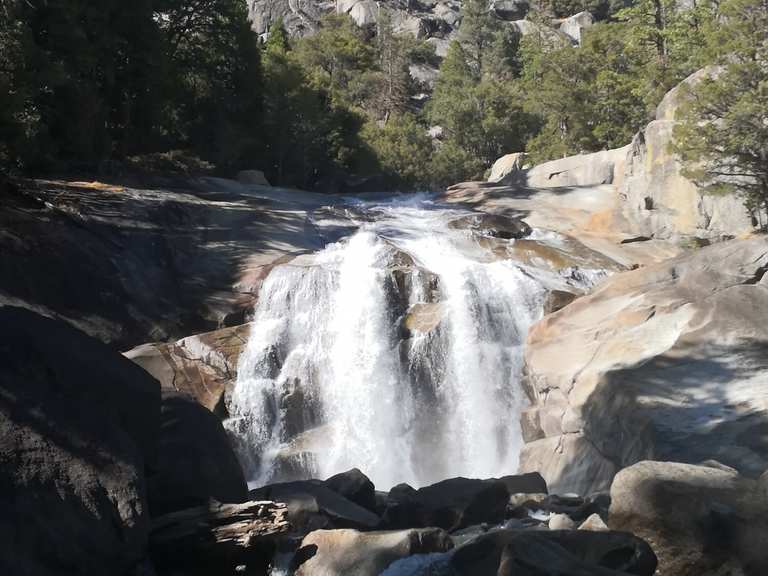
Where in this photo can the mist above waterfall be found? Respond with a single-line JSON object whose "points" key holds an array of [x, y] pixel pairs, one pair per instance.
{"points": [[397, 350]]}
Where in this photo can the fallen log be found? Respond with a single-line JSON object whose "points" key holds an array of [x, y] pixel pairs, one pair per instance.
{"points": [[218, 538]]}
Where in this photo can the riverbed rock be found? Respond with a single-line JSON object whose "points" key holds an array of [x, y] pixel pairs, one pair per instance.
{"points": [[313, 505], [561, 552], [78, 430], [494, 225], [355, 487], [665, 362], [424, 317], [561, 522], [451, 504], [196, 462], [203, 366], [699, 520], [353, 553]]}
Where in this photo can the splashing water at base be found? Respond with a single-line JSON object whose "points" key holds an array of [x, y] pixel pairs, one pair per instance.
{"points": [[397, 351]]}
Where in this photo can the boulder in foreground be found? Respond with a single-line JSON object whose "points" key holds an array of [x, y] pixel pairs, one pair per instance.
{"points": [[78, 429], [196, 461], [699, 519], [353, 553], [451, 504]]}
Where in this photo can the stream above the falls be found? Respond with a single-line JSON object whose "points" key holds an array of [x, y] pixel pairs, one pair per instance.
{"points": [[397, 350]]}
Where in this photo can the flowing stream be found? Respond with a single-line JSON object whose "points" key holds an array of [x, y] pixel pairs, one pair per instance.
{"points": [[397, 350]]}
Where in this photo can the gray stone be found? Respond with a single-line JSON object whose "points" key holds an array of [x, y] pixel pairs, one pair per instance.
{"points": [[666, 362], [700, 520]]}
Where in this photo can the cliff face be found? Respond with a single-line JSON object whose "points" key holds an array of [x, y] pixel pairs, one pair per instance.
{"points": [[152, 262], [658, 200]]}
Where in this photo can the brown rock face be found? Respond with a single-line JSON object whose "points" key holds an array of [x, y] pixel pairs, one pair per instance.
{"points": [[203, 366], [699, 520], [663, 362]]}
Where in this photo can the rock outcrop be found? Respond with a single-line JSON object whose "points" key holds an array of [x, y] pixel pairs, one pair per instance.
{"points": [[698, 519], [196, 462], [508, 169], [158, 261], [581, 170], [78, 430], [203, 366], [451, 504], [665, 362], [658, 200]]}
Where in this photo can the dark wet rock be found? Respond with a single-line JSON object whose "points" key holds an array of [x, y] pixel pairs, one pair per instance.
{"points": [[554, 553], [451, 504], [78, 430], [355, 487], [196, 461]]}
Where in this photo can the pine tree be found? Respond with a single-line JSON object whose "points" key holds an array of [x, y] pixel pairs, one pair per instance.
{"points": [[722, 136]]}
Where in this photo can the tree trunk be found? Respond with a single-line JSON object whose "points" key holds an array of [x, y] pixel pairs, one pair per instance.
{"points": [[218, 538]]}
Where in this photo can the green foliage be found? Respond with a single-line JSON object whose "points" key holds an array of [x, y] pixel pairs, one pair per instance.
{"points": [[403, 149], [722, 136], [666, 39], [88, 82], [481, 119]]}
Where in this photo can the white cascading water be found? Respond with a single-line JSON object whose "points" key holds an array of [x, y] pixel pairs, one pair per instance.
{"points": [[331, 380]]}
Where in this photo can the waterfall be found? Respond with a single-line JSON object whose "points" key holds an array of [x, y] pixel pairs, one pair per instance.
{"points": [[333, 377]]}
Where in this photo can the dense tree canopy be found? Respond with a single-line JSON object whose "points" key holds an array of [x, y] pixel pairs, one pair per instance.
{"points": [[93, 85]]}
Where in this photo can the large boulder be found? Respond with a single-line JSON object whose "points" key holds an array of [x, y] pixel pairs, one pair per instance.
{"points": [[451, 504], [203, 366], [580, 170], [353, 553], [561, 553], [508, 169], [78, 430], [665, 362], [355, 487], [196, 462], [657, 199], [494, 225], [700, 520]]}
